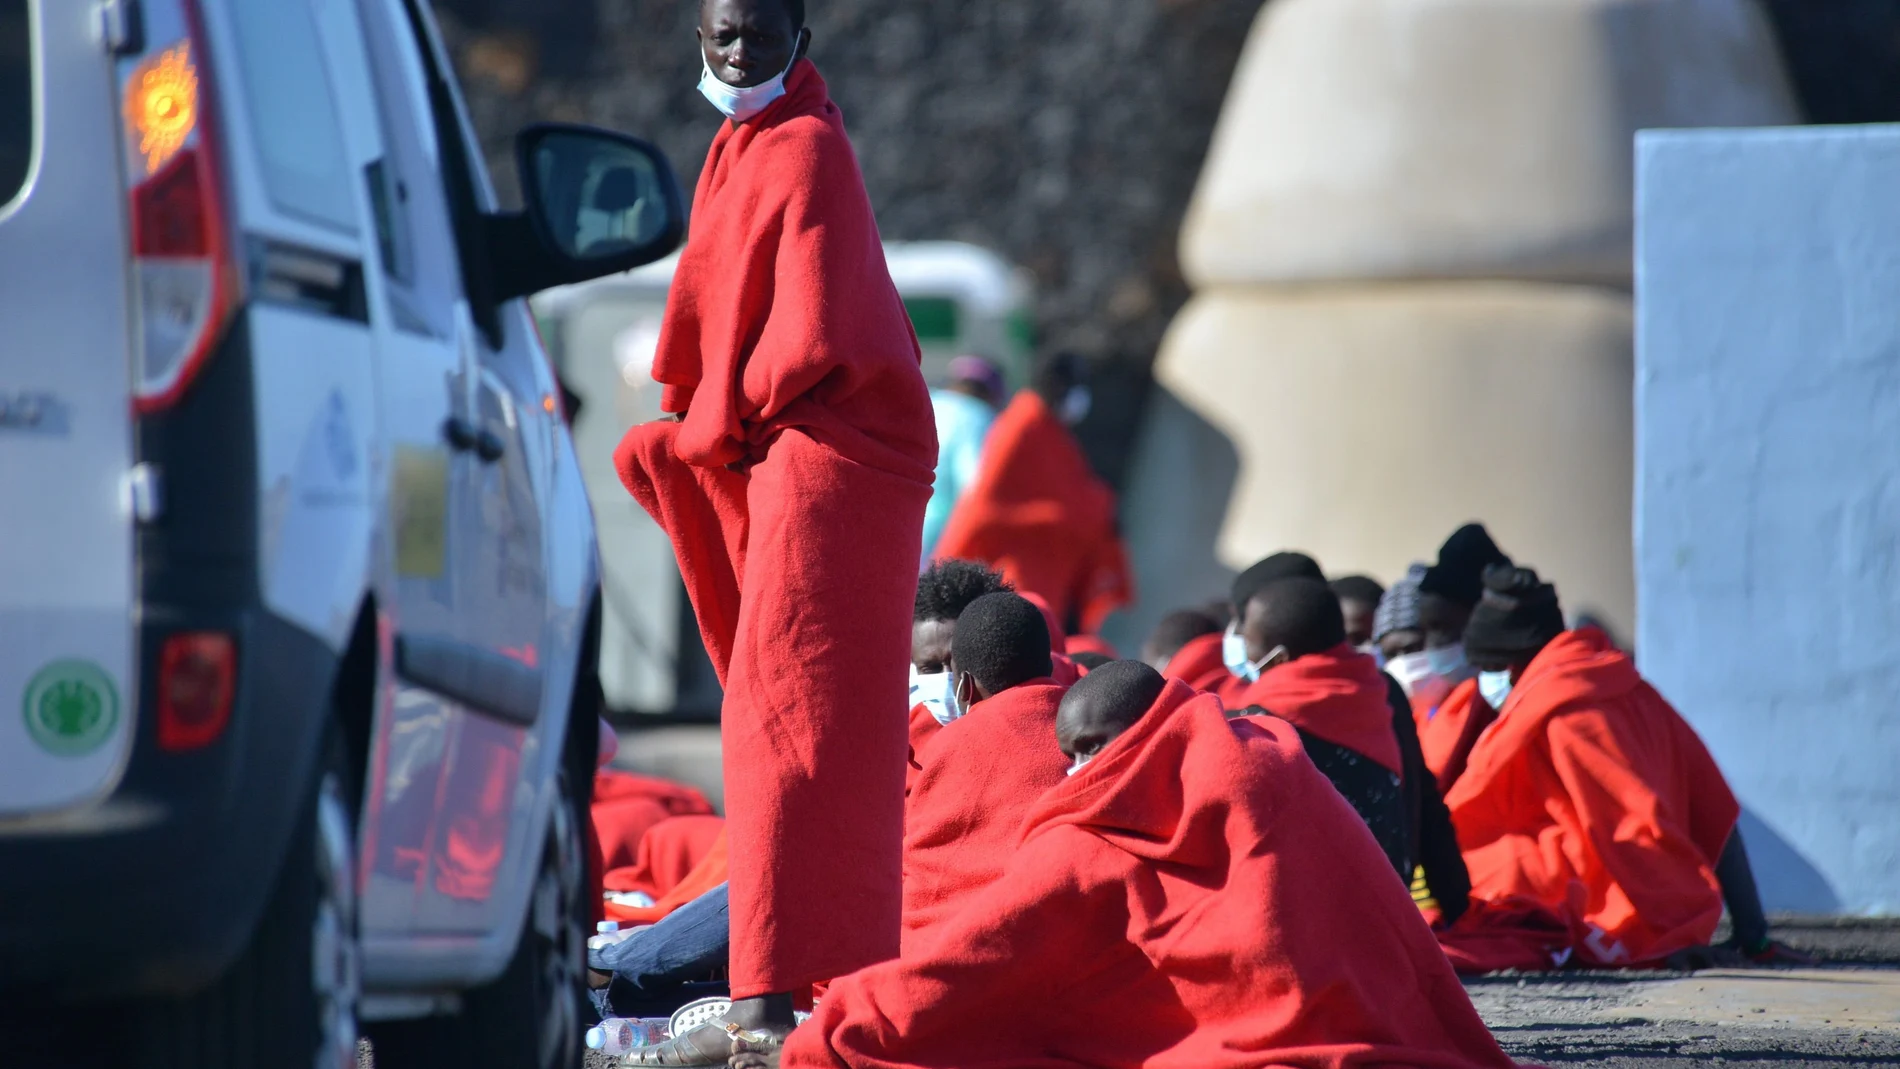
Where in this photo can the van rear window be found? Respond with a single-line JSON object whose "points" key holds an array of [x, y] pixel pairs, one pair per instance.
{"points": [[16, 98], [293, 118]]}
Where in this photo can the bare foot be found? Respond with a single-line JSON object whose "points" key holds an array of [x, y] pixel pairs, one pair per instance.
{"points": [[766, 1014], [753, 1059]]}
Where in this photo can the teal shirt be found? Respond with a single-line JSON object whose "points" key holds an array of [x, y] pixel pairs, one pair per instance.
{"points": [[962, 424]]}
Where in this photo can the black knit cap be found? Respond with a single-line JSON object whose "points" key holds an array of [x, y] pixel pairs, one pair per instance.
{"points": [[1459, 574], [1516, 616]]}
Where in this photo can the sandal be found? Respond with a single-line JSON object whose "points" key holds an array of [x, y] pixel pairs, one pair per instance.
{"points": [[710, 1044]]}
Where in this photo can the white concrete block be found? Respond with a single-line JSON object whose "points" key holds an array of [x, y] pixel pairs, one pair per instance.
{"points": [[1768, 486]]}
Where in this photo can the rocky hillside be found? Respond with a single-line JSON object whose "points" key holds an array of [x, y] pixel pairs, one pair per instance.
{"points": [[1067, 134]]}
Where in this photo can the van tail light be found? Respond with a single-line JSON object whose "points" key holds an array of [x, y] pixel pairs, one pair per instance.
{"points": [[184, 271], [197, 683]]}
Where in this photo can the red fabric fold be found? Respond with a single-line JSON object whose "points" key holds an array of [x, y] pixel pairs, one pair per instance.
{"points": [[1038, 513], [1591, 797], [923, 729], [1449, 728], [626, 805], [668, 852], [1162, 911], [1198, 663], [787, 349], [962, 821], [1090, 644], [1338, 695], [713, 869]]}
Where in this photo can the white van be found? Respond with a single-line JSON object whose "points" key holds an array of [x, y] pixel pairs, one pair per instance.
{"points": [[961, 298], [299, 598]]}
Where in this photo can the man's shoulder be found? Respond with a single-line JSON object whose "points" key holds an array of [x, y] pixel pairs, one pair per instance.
{"points": [[809, 134]]}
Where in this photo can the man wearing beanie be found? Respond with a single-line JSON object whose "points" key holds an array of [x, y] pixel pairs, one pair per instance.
{"points": [[1443, 695], [1590, 797]]}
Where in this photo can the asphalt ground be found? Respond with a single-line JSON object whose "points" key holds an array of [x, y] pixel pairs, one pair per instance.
{"points": [[1842, 1014]]}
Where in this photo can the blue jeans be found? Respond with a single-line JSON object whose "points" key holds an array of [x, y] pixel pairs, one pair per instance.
{"points": [[654, 966]]}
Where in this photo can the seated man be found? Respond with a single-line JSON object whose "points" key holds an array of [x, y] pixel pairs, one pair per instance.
{"points": [[1445, 700], [1300, 669], [986, 767], [1172, 636], [1590, 796], [1196, 895], [1359, 597], [981, 773], [944, 590]]}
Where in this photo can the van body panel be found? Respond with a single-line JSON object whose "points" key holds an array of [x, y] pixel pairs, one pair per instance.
{"points": [[68, 682]]}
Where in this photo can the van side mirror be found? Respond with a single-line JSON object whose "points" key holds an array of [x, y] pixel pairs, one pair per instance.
{"points": [[595, 203]]}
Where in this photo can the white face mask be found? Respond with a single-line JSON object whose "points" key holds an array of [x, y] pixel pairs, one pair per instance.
{"points": [[1410, 669], [937, 692], [1495, 687], [1447, 661], [741, 104], [1079, 762]]}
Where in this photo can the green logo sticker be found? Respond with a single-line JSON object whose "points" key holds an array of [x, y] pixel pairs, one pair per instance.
{"points": [[71, 708]]}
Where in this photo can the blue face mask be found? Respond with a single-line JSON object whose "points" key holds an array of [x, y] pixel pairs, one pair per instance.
{"points": [[937, 692], [1233, 654], [1447, 661], [1495, 687]]}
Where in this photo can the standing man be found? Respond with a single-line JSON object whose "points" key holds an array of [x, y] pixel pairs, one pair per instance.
{"points": [[792, 484]]}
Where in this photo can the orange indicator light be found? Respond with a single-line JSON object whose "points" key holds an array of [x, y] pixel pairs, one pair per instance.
{"points": [[161, 104]]}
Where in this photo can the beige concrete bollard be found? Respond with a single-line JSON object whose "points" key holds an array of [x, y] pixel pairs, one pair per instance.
{"points": [[1369, 139], [1411, 246]]}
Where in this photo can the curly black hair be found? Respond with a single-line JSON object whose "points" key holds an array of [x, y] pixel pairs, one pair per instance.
{"points": [[949, 586]]}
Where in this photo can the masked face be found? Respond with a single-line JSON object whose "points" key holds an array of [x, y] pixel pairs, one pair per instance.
{"points": [[746, 48], [1495, 687], [1410, 669], [936, 692], [1233, 650], [1447, 661]]}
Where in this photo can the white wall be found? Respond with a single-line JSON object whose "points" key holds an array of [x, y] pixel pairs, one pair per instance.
{"points": [[1768, 486]]}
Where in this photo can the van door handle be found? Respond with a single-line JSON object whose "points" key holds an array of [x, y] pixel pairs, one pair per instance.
{"points": [[460, 436], [489, 446]]}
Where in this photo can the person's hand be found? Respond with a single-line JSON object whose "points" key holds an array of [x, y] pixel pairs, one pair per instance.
{"points": [[752, 1059]]}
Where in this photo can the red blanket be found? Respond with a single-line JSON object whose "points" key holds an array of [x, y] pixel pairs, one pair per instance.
{"points": [[712, 870], [923, 728], [1039, 514], [788, 351], [1199, 665], [1448, 728], [1164, 911], [1339, 695], [626, 805], [1076, 644], [963, 817], [668, 851], [1591, 797]]}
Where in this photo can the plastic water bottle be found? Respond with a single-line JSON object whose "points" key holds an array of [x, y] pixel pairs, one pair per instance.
{"points": [[607, 933], [618, 1035]]}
